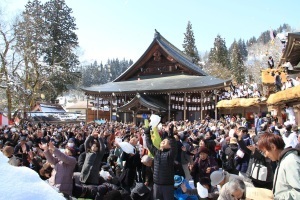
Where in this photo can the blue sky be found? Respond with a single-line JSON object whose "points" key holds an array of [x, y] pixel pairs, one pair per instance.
{"points": [[125, 28]]}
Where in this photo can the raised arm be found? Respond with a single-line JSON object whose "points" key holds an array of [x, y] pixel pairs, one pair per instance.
{"points": [[87, 143], [173, 143], [153, 150], [102, 145], [63, 157]]}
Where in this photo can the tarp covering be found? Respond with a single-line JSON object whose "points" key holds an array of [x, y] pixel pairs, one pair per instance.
{"points": [[283, 96], [267, 78], [239, 102]]}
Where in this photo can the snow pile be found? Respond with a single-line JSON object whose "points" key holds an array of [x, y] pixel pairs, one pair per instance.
{"points": [[23, 183]]}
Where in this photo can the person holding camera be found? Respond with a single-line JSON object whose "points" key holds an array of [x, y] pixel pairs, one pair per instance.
{"points": [[64, 165]]}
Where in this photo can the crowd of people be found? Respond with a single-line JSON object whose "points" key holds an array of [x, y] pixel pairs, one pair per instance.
{"points": [[206, 159], [246, 90]]}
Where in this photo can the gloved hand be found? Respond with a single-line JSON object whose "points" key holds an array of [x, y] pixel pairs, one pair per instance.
{"points": [[147, 131], [171, 130]]}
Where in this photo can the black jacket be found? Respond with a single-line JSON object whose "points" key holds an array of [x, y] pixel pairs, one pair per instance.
{"points": [[163, 173], [257, 157]]}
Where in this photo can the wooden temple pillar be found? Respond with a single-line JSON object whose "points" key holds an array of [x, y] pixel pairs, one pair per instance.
{"points": [[216, 109], [87, 110], [201, 109], [169, 107], [110, 109], [184, 110]]}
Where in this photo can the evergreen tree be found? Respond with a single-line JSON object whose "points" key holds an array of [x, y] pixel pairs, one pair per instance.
{"points": [[264, 37], [237, 64], [218, 60], [63, 41], [189, 44], [284, 28], [219, 53], [251, 41], [243, 49]]}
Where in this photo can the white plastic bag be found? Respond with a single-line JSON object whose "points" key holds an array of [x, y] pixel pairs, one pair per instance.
{"points": [[154, 120], [202, 191]]}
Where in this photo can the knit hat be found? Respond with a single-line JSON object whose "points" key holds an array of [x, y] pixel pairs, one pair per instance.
{"points": [[204, 150], [8, 151], [178, 180], [216, 177]]}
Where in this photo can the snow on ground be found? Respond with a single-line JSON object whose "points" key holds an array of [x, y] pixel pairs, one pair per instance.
{"points": [[22, 183]]}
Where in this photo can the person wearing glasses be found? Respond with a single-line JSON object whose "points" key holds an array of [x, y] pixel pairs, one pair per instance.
{"points": [[286, 184]]}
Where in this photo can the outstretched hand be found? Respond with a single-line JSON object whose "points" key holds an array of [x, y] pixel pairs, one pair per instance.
{"points": [[51, 146], [43, 146], [171, 129], [147, 131]]}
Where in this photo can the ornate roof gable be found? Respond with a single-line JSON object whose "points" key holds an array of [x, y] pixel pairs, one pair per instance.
{"points": [[159, 60]]}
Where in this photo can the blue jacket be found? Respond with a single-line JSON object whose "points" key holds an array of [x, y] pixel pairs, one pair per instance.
{"points": [[179, 195], [242, 163]]}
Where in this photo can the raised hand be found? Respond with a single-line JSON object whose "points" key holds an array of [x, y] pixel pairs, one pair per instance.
{"points": [[43, 146], [51, 146]]}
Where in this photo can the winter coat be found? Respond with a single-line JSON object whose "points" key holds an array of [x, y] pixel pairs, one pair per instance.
{"points": [[228, 161], [286, 179], [61, 176], [163, 173], [199, 168], [242, 163], [256, 157], [178, 193], [185, 156], [132, 164], [91, 167]]}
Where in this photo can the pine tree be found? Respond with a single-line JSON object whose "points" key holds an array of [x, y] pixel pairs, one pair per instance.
{"points": [[237, 64], [189, 44], [218, 60], [219, 53], [251, 41], [61, 26], [243, 49]]}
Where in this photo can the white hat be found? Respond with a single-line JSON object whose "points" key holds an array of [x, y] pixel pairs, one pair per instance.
{"points": [[216, 177]]}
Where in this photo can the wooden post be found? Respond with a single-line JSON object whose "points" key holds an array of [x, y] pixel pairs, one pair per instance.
{"points": [[125, 113], [97, 108], [201, 109], [216, 109], [184, 110], [110, 109], [87, 109], [169, 108]]}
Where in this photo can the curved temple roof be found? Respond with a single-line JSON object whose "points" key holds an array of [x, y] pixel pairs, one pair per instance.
{"points": [[159, 84], [196, 79], [144, 101]]}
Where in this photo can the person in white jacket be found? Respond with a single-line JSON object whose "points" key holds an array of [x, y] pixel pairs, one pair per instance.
{"points": [[290, 137], [286, 184]]}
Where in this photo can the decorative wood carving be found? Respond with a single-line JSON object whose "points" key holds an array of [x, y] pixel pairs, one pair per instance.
{"points": [[157, 56]]}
